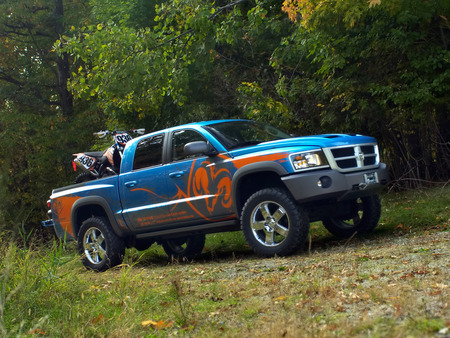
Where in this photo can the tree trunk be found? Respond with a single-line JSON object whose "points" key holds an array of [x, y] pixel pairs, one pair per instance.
{"points": [[62, 61]]}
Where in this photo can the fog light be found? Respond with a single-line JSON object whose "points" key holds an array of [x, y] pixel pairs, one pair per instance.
{"points": [[324, 182]]}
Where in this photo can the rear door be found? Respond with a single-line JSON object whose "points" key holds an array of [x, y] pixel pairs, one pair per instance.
{"points": [[143, 193]]}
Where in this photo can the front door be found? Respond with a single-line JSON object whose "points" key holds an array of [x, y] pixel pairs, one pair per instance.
{"points": [[200, 185]]}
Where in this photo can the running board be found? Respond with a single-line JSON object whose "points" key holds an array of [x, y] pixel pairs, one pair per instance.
{"points": [[230, 225]]}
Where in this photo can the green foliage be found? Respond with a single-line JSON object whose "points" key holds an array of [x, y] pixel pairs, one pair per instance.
{"points": [[398, 272], [39, 128], [411, 211], [259, 107], [35, 158], [186, 66], [133, 73], [382, 63], [374, 67], [26, 278], [136, 13]]}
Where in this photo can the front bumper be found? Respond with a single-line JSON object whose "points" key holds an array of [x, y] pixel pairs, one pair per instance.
{"points": [[332, 184]]}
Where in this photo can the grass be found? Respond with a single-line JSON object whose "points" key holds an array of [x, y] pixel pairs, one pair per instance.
{"points": [[391, 283], [416, 210]]}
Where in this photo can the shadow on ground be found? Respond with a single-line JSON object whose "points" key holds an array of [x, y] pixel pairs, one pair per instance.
{"points": [[237, 249]]}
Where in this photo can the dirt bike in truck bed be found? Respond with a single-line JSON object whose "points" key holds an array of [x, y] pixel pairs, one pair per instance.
{"points": [[96, 164], [178, 184]]}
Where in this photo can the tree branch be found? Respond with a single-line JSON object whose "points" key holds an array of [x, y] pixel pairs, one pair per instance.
{"points": [[10, 79], [220, 9], [191, 30]]}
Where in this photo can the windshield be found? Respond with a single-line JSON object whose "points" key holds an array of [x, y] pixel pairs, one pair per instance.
{"points": [[238, 134]]}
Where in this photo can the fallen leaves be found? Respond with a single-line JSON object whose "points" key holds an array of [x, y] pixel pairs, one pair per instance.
{"points": [[279, 299], [39, 332], [159, 325], [356, 285], [415, 272], [97, 320], [366, 257], [353, 297], [438, 288]]}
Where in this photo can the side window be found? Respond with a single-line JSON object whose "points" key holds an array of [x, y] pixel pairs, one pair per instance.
{"points": [[179, 139], [148, 152]]}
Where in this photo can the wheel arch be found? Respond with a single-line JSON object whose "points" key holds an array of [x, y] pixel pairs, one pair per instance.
{"points": [[253, 177], [87, 207]]}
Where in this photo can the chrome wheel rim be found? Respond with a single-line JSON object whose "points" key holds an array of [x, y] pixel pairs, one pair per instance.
{"points": [[270, 223], [94, 245]]}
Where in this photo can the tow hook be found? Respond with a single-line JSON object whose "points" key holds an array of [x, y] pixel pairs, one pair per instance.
{"points": [[360, 186]]}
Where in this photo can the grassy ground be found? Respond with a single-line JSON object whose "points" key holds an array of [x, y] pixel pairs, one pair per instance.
{"points": [[393, 283]]}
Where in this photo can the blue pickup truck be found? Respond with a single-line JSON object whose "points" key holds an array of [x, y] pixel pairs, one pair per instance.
{"points": [[178, 184]]}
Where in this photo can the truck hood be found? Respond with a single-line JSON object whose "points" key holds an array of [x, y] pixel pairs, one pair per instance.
{"points": [[305, 143]]}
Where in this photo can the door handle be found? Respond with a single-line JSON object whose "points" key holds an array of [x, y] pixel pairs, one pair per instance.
{"points": [[130, 184], [176, 174]]}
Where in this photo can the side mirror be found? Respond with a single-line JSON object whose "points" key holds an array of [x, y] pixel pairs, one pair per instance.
{"points": [[199, 148]]}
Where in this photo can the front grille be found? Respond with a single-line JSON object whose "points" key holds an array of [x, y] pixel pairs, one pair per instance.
{"points": [[355, 157]]}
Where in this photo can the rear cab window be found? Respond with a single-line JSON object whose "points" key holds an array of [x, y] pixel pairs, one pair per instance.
{"points": [[149, 152]]}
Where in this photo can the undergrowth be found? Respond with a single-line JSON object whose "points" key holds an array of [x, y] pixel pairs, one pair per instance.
{"points": [[391, 283]]}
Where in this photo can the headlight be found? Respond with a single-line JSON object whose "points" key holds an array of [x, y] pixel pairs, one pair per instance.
{"points": [[309, 160]]}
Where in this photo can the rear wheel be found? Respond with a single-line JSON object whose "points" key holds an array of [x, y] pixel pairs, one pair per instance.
{"points": [[100, 248], [365, 216], [84, 177], [143, 244], [184, 248], [273, 223]]}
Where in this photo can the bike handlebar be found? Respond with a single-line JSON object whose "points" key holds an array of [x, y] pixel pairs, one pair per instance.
{"points": [[140, 131], [103, 133]]}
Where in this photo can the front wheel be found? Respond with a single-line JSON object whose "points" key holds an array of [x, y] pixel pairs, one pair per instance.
{"points": [[273, 223], [365, 216], [100, 248], [184, 248]]}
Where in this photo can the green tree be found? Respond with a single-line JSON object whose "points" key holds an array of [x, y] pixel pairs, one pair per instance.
{"points": [[38, 119], [324, 66], [187, 65], [377, 67]]}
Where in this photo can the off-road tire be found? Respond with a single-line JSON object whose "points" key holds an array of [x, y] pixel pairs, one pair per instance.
{"points": [[367, 217], [100, 248], [185, 248], [143, 244], [84, 177], [273, 223]]}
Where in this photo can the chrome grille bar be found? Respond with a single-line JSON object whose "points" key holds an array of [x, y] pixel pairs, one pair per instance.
{"points": [[355, 157]]}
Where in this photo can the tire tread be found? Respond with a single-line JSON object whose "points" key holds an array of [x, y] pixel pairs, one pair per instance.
{"points": [[298, 229]]}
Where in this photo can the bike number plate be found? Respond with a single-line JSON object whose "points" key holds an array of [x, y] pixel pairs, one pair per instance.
{"points": [[371, 178], [123, 138], [85, 162]]}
